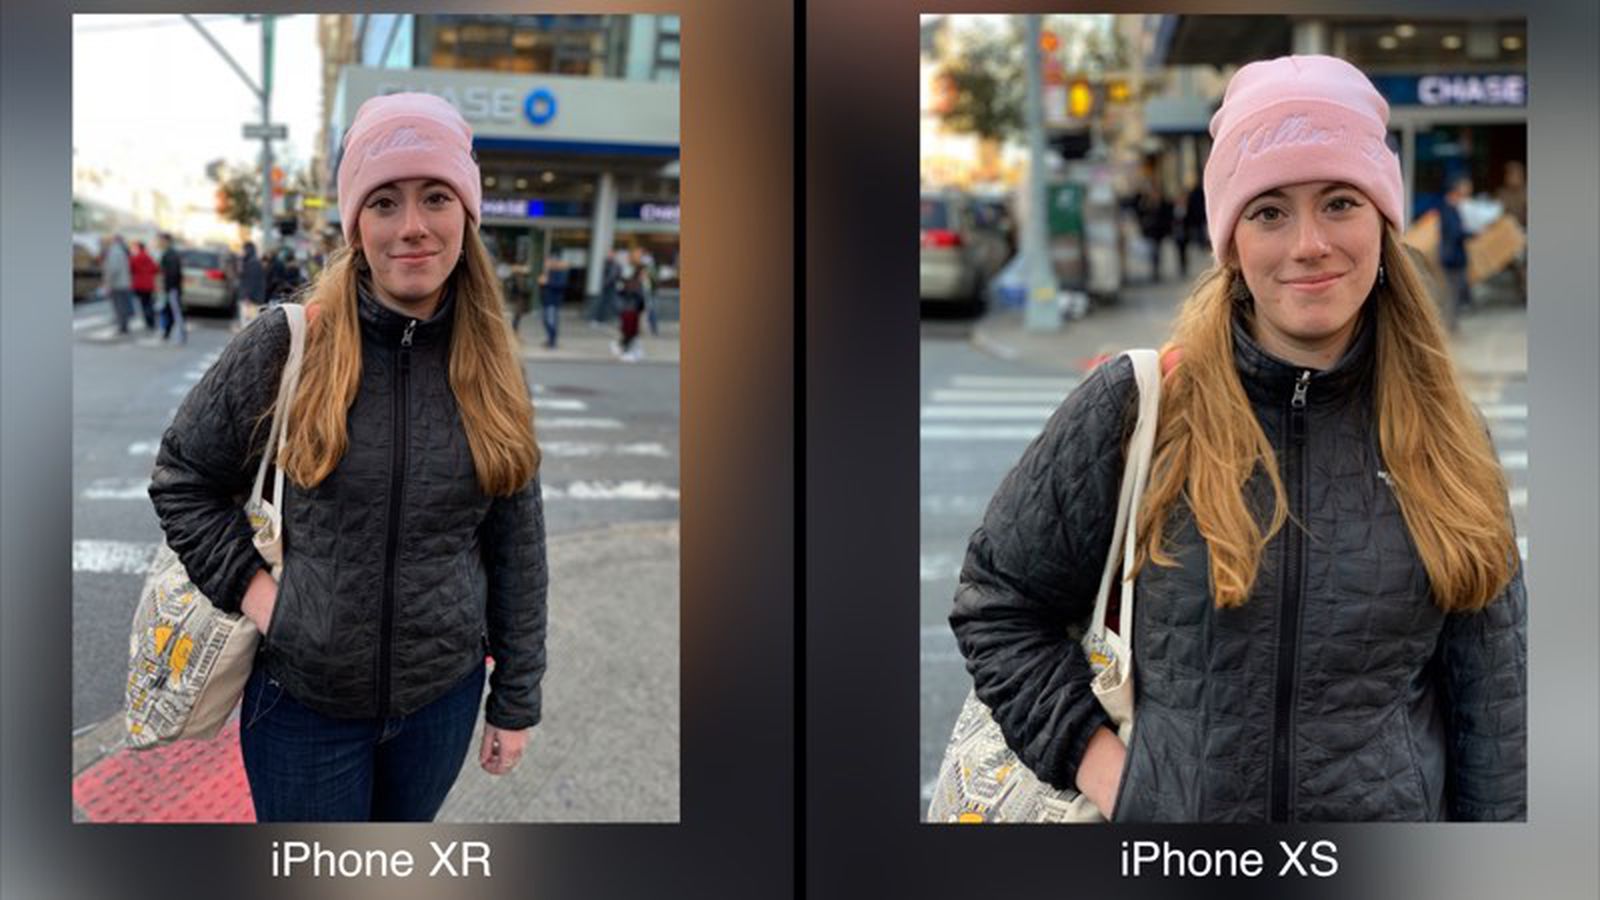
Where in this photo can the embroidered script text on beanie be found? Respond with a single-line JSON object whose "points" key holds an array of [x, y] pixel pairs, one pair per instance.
{"points": [[408, 135], [1295, 119]]}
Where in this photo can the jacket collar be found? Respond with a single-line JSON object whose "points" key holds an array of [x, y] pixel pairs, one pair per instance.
{"points": [[388, 326], [1269, 379]]}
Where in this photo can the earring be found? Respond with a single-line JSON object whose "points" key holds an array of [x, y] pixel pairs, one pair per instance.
{"points": [[1238, 291], [1383, 277]]}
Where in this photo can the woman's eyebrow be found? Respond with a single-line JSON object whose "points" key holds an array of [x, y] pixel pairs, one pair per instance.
{"points": [[1336, 186]]}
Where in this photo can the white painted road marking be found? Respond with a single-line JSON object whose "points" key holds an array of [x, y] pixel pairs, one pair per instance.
{"points": [[996, 396], [610, 490], [1514, 459], [113, 557], [588, 448], [90, 322], [144, 448], [1501, 411], [1032, 413], [939, 566], [118, 489], [576, 423], [1015, 382], [565, 404], [978, 433]]}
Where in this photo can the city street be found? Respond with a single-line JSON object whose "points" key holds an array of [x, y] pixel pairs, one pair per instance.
{"points": [[609, 433], [988, 387]]}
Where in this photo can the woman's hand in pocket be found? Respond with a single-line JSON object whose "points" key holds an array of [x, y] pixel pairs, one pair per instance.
{"points": [[1100, 772], [260, 598]]}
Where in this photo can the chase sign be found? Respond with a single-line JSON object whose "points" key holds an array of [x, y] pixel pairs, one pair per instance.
{"points": [[1477, 89]]}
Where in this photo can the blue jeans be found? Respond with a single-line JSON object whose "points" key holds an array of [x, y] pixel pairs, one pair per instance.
{"points": [[304, 766], [552, 319]]}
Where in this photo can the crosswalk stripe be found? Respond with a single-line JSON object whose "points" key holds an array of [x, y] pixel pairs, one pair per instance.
{"points": [[566, 404], [939, 566], [1518, 498], [1501, 411], [1513, 459], [1034, 413], [144, 448], [589, 448], [978, 432], [995, 396], [577, 423], [1015, 382], [112, 557], [83, 322], [611, 490], [1509, 432], [118, 489], [1522, 547]]}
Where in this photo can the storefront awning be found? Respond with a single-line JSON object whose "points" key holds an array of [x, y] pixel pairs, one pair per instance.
{"points": [[1219, 40]]}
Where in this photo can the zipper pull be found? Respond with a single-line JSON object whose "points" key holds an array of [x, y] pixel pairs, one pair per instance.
{"points": [[405, 339], [1299, 401]]}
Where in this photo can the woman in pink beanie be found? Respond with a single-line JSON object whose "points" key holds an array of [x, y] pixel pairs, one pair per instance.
{"points": [[1330, 622], [413, 527]]}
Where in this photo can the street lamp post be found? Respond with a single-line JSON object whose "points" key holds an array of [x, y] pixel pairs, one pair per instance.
{"points": [[264, 95], [1041, 313]]}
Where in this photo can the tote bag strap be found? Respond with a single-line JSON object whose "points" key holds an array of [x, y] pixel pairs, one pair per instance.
{"points": [[1135, 474], [287, 383]]}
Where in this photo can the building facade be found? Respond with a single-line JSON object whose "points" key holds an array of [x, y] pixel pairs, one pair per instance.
{"points": [[574, 118]]}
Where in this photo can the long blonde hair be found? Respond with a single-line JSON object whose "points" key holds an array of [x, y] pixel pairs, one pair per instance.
{"points": [[485, 375], [1441, 464]]}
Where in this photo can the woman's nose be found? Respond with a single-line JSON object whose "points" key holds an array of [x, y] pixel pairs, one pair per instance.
{"points": [[1310, 239], [412, 223]]}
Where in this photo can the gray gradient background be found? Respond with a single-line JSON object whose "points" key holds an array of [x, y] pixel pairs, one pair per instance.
{"points": [[863, 835], [738, 816]]}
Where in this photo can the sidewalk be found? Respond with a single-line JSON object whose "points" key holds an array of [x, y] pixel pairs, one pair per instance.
{"points": [[607, 749], [1492, 342], [578, 340]]}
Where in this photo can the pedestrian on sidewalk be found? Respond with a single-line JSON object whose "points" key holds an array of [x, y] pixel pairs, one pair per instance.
{"points": [[1453, 248], [1328, 578], [252, 284], [413, 521], [552, 290], [142, 271], [117, 279], [1155, 222], [606, 301], [172, 291], [1513, 197], [631, 304]]}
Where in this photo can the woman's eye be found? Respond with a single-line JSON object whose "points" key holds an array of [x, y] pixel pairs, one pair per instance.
{"points": [[1340, 204], [380, 203], [1267, 214], [438, 198]]}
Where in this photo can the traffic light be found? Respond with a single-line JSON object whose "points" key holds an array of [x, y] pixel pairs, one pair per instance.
{"points": [[1080, 100]]}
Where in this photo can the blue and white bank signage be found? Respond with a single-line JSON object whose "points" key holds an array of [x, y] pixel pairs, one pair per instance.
{"points": [[509, 106], [1477, 89]]}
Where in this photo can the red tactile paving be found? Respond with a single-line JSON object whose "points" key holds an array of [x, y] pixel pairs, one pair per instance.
{"points": [[189, 781]]}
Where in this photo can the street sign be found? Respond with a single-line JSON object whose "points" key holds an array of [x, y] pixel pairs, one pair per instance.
{"points": [[255, 132]]}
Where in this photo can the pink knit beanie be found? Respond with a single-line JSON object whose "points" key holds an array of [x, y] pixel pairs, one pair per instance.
{"points": [[1295, 119], [397, 136]]}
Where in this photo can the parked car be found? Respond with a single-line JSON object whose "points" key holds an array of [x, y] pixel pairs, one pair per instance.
{"points": [[959, 255], [208, 280]]}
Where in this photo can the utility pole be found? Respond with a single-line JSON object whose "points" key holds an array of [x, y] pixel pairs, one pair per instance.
{"points": [[263, 95], [1041, 312]]}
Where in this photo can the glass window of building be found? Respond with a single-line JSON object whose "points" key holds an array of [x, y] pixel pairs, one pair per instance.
{"points": [[1409, 43]]}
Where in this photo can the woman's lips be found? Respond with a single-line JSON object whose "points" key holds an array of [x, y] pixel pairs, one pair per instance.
{"points": [[1314, 285], [416, 258]]}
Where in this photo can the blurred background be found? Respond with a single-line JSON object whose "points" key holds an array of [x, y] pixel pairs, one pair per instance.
{"points": [[223, 131], [1111, 143]]}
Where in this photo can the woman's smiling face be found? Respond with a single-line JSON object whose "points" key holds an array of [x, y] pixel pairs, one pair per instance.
{"points": [[1309, 253], [411, 233]]}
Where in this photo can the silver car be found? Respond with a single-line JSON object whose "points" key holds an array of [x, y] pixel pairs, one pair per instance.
{"points": [[959, 255], [207, 280]]}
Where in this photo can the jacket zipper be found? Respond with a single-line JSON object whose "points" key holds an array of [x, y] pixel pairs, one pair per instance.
{"points": [[1289, 614], [396, 487]]}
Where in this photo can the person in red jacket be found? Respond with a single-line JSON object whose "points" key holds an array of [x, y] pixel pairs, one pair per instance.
{"points": [[144, 270]]}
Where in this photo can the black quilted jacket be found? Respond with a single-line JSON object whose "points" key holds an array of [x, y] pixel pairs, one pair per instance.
{"points": [[399, 572], [1337, 692]]}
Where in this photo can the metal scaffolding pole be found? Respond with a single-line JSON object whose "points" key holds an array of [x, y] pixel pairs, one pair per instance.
{"points": [[1042, 312]]}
